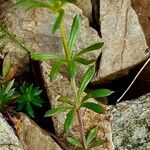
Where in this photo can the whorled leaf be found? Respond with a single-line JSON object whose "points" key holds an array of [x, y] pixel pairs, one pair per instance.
{"points": [[84, 61], [32, 4], [97, 143], [74, 32], [54, 71], [97, 94], [91, 135], [9, 86], [55, 111], [90, 48], [29, 110], [69, 120], [86, 79], [66, 100], [93, 106], [58, 21], [52, 57], [72, 68], [74, 142]]}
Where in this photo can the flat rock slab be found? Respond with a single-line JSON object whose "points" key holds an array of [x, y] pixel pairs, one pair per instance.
{"points": [[61, 87], [35, 28], [32, 137], [124, 39], [131, 124], [8, 139]]}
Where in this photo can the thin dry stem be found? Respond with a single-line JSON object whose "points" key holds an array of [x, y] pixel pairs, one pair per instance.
{"points": [[133, 80], [82, 132]]}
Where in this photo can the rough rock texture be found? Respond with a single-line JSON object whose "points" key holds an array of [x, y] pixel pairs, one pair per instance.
{"points": [[61, 86], [8, 139], [36, 31], [86, 7], [131, 124], [124, 39], [32, 137], [18, 55], [142, 9]]}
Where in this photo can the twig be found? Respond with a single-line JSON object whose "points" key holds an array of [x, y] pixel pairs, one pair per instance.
{"points": [[118, 100], [133, 80]]}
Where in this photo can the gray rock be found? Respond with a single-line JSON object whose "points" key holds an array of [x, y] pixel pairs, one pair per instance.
{"points": [[131, 124], [32, 137], [124, 39], [61, 87], [8, 139]]}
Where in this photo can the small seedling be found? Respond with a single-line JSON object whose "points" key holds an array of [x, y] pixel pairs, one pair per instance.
{"points": [[7, 97], [27, 97]]}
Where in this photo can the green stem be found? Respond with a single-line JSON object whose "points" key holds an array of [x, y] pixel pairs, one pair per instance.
{"points": [[74, 87], [64, 39], [15, 39]]}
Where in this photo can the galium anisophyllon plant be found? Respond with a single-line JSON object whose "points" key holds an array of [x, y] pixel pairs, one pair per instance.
{"points": [[70, 59]]}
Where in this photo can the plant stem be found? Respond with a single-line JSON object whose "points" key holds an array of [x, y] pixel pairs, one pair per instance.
{"points": [[73, 84], [74, 88], [82, 133], [15, 39], [64, 39]]}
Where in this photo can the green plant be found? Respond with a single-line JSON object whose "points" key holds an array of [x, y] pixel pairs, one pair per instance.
{"points": [[27, 97], [70, 59], [7, 93], [7, 96]]}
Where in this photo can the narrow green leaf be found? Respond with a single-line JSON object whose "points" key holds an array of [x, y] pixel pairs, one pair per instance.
{"points": [[97, 143], [72, 68], [32, 4], [30, 110], [93, 47], [93, 106], [58, 21], [74, 142], [54, 71], [98, 93], [2, 38], [71, 1], [37, 102], [91, 135], [66, 99], [86, 79], [74, 32], [6, 65], [54, 111], [52, 57], [84, 61], [9, 86], [69, 120]]}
